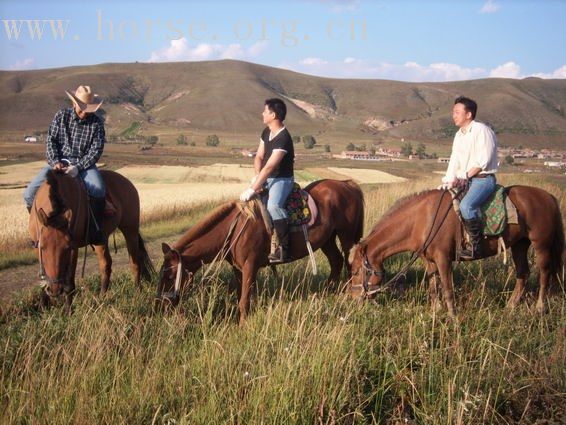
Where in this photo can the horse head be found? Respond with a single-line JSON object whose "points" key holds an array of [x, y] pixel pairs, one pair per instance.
{"points": [[367, 275], [176, 274], [55, 245]]}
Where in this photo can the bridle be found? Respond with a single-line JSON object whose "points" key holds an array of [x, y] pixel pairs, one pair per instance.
{"points": [[222, 254], [369, 270]]}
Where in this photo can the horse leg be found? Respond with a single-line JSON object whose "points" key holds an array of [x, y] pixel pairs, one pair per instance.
{"points": [[544, 260], [249, 274], [335, 259], [519, 252], [445, 270], [236, 281], [104, 265], [346, 243], [70, 291], [431, 275], [132, 242]]}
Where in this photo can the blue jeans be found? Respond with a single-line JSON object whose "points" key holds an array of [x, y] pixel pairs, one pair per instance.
{"points": [[91, 177], [478, 192], [279, 190]]}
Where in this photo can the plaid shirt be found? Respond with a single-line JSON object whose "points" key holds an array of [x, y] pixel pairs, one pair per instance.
{"points": [[79, 141]]}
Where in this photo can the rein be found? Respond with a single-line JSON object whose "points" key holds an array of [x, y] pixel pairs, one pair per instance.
{"points": [[220, 256], [369, 270]]}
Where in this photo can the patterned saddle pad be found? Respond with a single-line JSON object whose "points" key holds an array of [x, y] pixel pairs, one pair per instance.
{"points": [[497, 212], [297, 207]]}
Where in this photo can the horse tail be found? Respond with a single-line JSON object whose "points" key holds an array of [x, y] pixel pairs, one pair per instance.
{"points": [[358, 231], [146, 266], [557, 249]]}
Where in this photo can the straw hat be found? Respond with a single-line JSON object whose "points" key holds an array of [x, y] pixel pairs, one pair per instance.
{"points": [[85, 99]]}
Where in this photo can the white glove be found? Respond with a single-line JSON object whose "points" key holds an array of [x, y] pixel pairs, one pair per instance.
{"points": [[247, 194], [72, 171]]}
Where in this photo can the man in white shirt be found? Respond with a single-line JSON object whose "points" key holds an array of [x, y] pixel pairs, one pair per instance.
{"points": [[473, 163]]}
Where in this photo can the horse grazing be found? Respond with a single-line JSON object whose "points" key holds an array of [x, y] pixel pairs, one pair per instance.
{"points": [[427, 225], [58, 225], [236, 232]]}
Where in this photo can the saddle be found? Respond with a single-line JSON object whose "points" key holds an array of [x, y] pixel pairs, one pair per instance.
{"points": [[497, 212], [301, 209], [302, 213]]}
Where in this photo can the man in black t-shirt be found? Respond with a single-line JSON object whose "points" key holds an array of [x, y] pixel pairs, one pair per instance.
{"points": [[273, 166]]}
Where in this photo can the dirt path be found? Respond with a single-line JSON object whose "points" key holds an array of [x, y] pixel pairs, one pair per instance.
{"points": [[16, 279]]}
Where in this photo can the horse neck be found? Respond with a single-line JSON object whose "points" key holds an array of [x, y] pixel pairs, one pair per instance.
{"points": [[207, 241], [396, 233]]}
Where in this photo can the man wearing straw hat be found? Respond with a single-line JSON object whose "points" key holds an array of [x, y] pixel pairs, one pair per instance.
{"points": [[74, 144]]}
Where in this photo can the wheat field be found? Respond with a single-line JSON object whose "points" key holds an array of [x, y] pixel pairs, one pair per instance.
{"points": [[307, 354]]}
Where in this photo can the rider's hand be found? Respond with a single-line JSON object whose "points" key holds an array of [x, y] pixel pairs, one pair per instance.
{"points": [[247, 194], [72, 171], [254, 178], [59, 166]]}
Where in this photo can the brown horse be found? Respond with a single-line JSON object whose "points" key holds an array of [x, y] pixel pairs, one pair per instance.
{"points": [[427, 225], [58, 225], [228, 232]]}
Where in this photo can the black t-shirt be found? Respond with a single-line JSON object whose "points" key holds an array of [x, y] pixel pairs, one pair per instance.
{"points": [[283, 142]]}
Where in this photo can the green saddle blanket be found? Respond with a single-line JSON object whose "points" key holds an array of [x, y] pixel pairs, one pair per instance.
{"points": [[494, 212]]}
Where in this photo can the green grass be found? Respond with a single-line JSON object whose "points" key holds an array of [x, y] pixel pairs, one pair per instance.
{"points": [[132, 131], [306, 355]]}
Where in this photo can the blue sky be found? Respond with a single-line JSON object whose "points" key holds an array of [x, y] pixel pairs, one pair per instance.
{"points": [[404, 40]]}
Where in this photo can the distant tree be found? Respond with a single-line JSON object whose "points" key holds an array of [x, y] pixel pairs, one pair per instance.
{"points": [[407, 149], [151, 140], [192, 144], [421, 148], [326, 148], [371, 150], [296, 139], [351, 147], [509, 159], [212, 140], [182, 139], [309, 141], [434, 155]]}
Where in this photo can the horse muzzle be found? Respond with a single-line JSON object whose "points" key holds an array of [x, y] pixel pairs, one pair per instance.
{"points": [[166, 300]]}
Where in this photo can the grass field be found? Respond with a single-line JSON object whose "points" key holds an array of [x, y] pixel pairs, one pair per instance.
{"points": [[306, 355]]}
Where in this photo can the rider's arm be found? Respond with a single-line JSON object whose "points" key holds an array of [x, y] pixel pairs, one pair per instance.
{"points": [[259, 157], [273, 162], [95, 150], [52, 147]]}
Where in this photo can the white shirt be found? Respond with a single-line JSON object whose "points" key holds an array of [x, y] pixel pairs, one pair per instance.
{"points": [[474, 146]]}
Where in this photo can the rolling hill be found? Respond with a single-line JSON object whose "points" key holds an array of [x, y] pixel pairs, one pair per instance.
{"points": [[227, 97]]}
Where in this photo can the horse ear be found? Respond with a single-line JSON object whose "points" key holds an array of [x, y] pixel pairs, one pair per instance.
{"points": [[165, 248], [42, 216]]}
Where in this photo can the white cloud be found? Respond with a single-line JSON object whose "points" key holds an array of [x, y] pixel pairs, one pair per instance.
{"points": [[181, 50], [20, 65], [351, 67], [507, 70], [490, 6], [557, 73], [313, 61]]}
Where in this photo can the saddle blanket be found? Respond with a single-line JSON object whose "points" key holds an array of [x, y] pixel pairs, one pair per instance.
{"points": [[498, 211]]}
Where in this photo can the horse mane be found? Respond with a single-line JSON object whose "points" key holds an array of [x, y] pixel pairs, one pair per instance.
{"points": [[399, 205], [203, 226], [55, 199]]}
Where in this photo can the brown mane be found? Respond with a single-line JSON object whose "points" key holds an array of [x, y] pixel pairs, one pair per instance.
{"points": [[54, 197], [399, 205], [203, 226]]}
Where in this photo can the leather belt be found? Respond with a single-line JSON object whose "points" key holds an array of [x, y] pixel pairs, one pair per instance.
{"points": [[482, 176]]}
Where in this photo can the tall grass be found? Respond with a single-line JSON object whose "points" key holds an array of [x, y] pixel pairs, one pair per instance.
{"points": [[306, 354]]}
